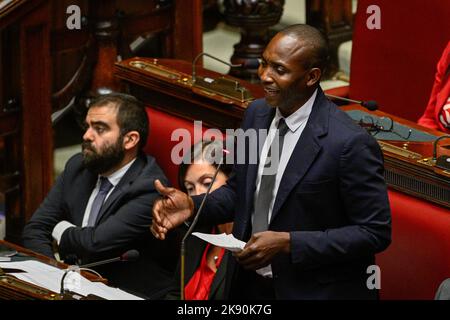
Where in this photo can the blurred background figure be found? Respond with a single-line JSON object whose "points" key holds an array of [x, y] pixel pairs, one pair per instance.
{"points": [[437, 113]]}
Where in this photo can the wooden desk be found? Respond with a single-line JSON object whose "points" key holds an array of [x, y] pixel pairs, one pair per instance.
{"points": [[409, 166], [12, 288], [171, 94]]}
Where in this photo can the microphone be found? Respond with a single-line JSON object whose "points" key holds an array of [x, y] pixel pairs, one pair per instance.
{"points": [[201, 54], [222, 86], [370, 105], [194, 222], [444, 161], [130, 255]]}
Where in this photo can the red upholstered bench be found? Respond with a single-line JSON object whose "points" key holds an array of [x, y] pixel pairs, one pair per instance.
{"points": [[160, 144], [395, 65], [418, 259]]}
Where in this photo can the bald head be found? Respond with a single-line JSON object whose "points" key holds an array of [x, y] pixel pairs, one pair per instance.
{"points": [[314, 41], [291, 67]]}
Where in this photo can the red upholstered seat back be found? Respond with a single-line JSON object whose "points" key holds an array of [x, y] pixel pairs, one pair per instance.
{"points": [[418, 259], [396, 65], [160, 144]]}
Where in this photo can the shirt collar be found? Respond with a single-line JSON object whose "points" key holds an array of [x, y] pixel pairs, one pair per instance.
{"points": [[295, 120], [115, 177]]}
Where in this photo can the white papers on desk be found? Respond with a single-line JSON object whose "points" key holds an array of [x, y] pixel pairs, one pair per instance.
{"points": [[4, 3], [49, 277], [227, 241]]}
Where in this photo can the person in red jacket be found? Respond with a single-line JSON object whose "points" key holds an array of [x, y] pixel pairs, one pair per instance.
{"points": [[437, 113]]}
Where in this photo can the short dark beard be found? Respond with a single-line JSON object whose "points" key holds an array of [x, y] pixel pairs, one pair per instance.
{"points": [[111, 156]]}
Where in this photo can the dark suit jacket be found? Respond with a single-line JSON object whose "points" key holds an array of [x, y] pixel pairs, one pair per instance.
{"points": [[194, 249], [332, 199], [123, 224]]}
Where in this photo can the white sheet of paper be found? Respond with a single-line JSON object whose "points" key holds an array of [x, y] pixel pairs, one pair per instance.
{"points": [[229, 242], [4, 3], [49, 277], [223, 240]]}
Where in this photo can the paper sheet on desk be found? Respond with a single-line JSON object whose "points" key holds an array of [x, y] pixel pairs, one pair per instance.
{"points": [[49, 277], [227, 241]]}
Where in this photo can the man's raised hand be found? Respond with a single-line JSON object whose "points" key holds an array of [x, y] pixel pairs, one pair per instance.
{"points": [[170, 211]]}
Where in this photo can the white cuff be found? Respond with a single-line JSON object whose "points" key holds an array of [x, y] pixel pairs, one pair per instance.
{"points": [[266, 271], [59, 229]]}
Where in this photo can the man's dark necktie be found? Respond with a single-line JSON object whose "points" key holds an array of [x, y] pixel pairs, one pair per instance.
{"points": [[265, 194], [105, 186]]}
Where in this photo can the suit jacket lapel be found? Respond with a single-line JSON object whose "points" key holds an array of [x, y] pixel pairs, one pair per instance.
{"points": [[122, 187], [305, 151], [219, 277]]}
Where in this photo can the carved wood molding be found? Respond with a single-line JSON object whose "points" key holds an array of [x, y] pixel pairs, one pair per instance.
{"points": [[253, 17]]}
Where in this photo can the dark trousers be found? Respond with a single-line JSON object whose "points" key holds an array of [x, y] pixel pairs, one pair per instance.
{"points": [[248, 285]]}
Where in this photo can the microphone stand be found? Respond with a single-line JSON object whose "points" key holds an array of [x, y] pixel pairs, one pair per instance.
{"points": [[194, 63], [445, 163], [370, 105], [130, 255], [191, 228], [435, 145], [76, 269], [93, 264]]}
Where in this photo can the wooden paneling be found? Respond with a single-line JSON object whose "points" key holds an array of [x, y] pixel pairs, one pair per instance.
{"points": [[37, 136], [335, 19], [26, 171], [188, 25], [44, 66]]}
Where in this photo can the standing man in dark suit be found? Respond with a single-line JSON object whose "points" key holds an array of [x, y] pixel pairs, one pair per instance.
{"points": [[313, 224], [98, 207]]}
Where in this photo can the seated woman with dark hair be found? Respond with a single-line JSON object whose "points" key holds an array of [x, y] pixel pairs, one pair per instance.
{"points": [[205, 263]]}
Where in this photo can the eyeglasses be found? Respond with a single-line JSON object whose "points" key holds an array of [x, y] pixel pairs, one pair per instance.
{"points": [[381, 124]]}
